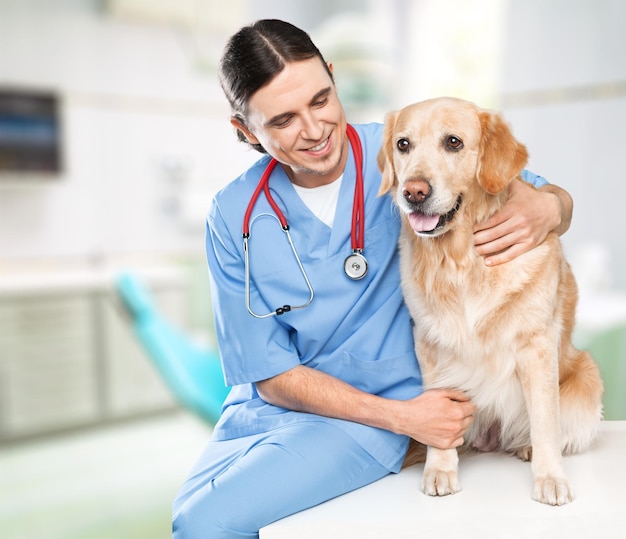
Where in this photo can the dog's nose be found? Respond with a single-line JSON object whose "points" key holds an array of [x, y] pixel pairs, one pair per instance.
{"points": [[416, 191]]}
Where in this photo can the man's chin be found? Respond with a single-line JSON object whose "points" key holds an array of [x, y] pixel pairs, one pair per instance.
{"points": [[330, 167]]}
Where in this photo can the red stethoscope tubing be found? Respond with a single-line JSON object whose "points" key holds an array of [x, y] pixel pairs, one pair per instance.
{"points": [[264, 186], [358, 218]]}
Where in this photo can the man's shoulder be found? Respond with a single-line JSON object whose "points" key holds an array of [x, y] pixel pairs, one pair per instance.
{"points": [[369, 130], [371, 135], [246, 182]]}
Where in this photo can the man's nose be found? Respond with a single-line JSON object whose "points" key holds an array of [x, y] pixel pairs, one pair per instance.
{"points": [[312, 127]]}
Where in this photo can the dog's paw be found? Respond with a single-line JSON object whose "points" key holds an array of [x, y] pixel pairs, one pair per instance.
{"points": [[440, 482], [525, 453], [552, 490]]}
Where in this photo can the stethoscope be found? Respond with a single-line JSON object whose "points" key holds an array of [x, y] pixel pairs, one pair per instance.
{"points": [[355, 264]]}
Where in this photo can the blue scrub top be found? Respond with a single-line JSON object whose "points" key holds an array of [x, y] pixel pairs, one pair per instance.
{"points": [[358, 331]]}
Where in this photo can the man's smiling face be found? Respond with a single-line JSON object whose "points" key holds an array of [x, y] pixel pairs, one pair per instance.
{"points": [[299, 120]]}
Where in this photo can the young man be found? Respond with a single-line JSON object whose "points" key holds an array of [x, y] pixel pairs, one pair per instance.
{"points": [[326, 393]]}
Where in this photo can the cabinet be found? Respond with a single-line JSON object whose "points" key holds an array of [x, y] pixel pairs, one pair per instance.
{"points": [[131, 384], [48, 368], [69, 358]]}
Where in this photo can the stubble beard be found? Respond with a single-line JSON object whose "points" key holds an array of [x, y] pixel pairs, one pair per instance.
{"points": [[336, 164]]}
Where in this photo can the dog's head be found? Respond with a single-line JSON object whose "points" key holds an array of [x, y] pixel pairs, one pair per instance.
{"points": [[437, 153]]}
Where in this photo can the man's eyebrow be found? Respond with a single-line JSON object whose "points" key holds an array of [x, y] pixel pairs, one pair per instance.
{"points": [[322, 93], [279, 118]]}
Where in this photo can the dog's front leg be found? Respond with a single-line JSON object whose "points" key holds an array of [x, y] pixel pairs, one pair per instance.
{"points": [[441, 472], [539, 376], [441, 469]]}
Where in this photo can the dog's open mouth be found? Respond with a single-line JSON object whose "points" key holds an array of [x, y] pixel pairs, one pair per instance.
{"points": [[424, 224]]}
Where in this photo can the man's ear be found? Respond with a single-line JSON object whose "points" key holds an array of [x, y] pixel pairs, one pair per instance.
{"points": [[238, 124]]}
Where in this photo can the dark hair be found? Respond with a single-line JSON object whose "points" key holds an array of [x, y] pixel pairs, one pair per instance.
{"points": [[254, 56]]}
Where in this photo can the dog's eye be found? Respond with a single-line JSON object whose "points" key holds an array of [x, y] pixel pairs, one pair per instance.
{"points": [[403, 145], [453, 143]]}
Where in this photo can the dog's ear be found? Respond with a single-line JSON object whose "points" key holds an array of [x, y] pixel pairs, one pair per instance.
{"points": [[385, 155], [501, 157]]}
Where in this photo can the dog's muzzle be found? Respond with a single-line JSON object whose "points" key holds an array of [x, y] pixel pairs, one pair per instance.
{"points": [[428, 225]]}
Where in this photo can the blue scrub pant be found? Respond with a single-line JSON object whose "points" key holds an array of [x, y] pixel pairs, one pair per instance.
{"points": [[238, 486]]}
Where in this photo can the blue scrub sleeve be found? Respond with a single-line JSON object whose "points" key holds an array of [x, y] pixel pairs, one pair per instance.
{"points": [[533, 179], [251, 349]]}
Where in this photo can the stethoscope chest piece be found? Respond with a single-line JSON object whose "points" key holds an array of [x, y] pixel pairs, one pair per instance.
{"points": [[355, 266]]}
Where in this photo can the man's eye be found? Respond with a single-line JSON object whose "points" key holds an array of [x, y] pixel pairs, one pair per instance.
{"points": [[282, 123], [403, 145], [321, 102]]}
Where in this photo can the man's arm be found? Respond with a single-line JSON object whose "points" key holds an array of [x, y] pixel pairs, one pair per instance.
{"points": [[566, 207], [523, 222], [437, 417]]}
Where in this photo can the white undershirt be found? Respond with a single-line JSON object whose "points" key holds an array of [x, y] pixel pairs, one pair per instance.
{"points": [[322, 201]]}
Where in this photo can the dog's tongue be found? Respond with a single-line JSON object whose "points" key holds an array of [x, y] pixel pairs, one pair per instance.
{"points": [[423, 223]]}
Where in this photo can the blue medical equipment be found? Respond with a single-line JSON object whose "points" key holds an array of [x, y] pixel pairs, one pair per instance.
{"points": [[193, 373]]}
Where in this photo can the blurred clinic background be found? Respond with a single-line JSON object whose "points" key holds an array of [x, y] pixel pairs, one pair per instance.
{"points": [[114, 136]]}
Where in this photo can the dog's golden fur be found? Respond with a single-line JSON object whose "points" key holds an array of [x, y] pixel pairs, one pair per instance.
{"points": [[502, 334]]}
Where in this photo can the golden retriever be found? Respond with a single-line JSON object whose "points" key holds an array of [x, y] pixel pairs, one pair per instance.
{"points": [[501, 334]]}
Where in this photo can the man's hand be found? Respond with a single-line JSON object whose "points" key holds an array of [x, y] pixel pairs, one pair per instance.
{"points": [[439, 417], [523, 222]]}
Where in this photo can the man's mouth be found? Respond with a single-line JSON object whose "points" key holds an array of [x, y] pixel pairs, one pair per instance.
{"points": [[320, 146], [428, 225]]}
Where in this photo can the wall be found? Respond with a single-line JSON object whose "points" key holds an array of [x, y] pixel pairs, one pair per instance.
{"points": [[148, 141], [141, 125], [564, 92]]}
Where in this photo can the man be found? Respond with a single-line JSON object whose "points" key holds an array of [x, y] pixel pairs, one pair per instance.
{"points": [[327, 394]]}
